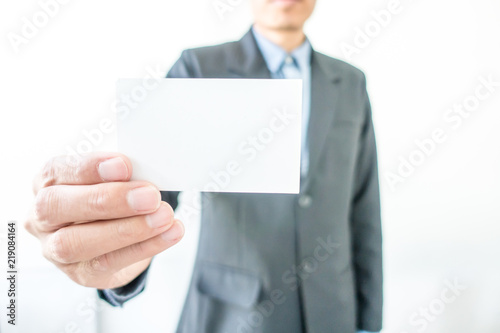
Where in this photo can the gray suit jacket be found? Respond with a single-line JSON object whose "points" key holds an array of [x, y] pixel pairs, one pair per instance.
{"points": [[292, 263]]}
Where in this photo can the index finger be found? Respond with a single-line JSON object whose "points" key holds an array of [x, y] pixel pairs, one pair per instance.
{"points": [[88, 169]]}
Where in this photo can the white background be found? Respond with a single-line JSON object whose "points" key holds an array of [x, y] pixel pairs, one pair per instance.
{"points": [[441, 224]]}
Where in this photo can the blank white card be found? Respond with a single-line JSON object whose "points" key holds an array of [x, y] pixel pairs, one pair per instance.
{"points": [[212, 135]]}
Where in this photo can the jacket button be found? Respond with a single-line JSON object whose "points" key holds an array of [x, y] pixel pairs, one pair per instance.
{"points": [[308, 267], [305, 201]]}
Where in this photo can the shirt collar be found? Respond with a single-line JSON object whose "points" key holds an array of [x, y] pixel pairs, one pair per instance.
{"points": [[274, 55]]}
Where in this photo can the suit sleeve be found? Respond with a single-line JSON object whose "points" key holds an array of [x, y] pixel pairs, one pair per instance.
{"points": [[118, 296], [366, 228]]}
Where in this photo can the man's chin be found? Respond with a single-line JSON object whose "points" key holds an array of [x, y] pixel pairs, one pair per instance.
{"points": [[287, 26]]}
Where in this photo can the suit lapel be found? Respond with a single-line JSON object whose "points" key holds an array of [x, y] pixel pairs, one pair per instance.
{"points": [[324, 95], [247, 60]]}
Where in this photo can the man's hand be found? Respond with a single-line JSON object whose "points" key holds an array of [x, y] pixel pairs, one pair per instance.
{"points": [[97, 226]]}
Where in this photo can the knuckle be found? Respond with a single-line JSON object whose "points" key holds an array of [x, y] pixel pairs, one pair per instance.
{"points": [[99, 264], [88, 273], [44, 201], [89, 270], [48, 173], [99, 199], [28, 225], [125, 230], [79, 171], [31, 226], [58, 248]]}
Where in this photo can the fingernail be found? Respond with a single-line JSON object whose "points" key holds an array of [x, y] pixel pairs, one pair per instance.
{"points": [[144, 198], [160, 218], [174, 233], [113, 169]]}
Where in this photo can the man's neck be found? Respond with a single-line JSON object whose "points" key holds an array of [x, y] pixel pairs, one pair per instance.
{"points": [[288, 39]]}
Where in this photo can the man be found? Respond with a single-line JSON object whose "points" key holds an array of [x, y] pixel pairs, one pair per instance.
{"points": [[266, 262]]}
